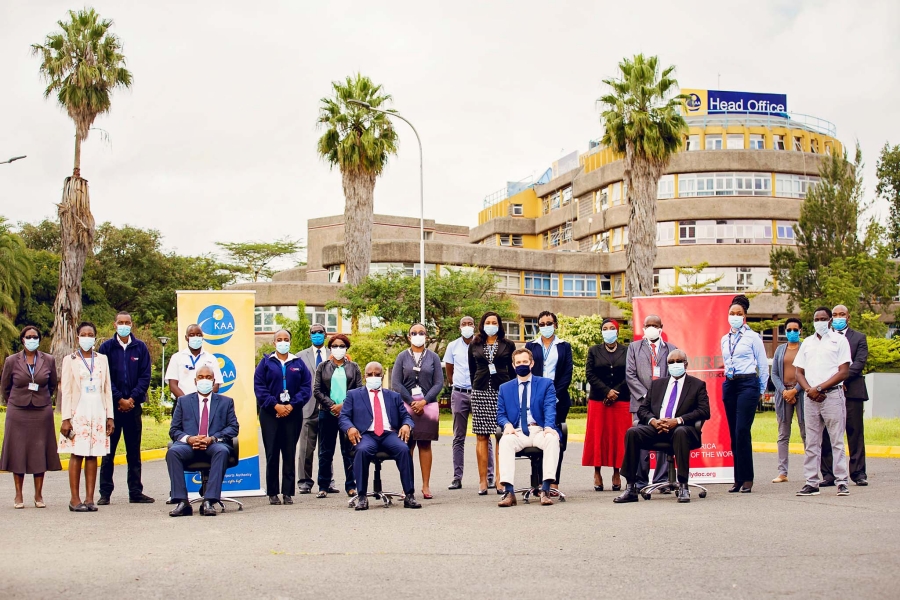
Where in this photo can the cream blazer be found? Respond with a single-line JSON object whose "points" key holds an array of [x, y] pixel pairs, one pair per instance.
{"points": [[71, 384]]}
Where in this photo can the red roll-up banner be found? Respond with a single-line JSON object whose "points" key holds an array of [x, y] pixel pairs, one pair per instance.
{"points": [[696, 324]]}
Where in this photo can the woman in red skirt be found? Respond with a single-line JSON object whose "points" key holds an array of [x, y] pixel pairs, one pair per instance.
{"points": [[608, 417]]}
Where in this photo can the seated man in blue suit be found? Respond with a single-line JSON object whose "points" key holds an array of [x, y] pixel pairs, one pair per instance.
{"points": [[203, 425], [526, 412], [376, 420]]}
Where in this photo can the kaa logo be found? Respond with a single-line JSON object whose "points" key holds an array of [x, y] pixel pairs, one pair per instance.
{"points": [[693, 102], [229, 372], [216, 323]]}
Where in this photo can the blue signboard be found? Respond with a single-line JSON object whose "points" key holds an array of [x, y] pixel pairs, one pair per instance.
{"points": [[713, 102]]}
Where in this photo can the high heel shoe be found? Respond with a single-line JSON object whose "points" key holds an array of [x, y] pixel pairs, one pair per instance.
{"points": [[482, 492], [734, 489], [746, 489], [19, 505], [39, 504], [427, 496]]}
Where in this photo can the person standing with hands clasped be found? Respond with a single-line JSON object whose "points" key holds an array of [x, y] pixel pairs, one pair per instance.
{"points": [[788, 395], [312, 357], [181, 373]]}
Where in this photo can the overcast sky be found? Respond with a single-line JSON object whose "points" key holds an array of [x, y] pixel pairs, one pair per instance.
{"points": [[216, 141]]}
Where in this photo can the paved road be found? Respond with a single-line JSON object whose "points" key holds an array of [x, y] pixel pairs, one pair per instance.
{"points": [[767, 544]]}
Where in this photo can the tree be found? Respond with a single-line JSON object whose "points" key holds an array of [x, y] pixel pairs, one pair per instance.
{"points": [[643, 121], [358, 141], [695, 281], [82, 65], [298, 327], [888, 172], [582, 333], [252, 259], [16, 273], [884, 355]]}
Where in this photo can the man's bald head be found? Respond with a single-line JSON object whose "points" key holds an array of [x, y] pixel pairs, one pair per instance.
{"points": [[374, 369], [205, 372], [675, 355]]}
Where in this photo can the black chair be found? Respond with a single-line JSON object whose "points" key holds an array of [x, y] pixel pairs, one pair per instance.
{"points": [[536, 457], [672, 483], [202, 467], [377, 493]]}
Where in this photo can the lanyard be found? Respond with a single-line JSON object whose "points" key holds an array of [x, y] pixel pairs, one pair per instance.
{"points": [[546, 350], [30, 368], [732, 348], [194, 360], [91, 368], [284, 375]]}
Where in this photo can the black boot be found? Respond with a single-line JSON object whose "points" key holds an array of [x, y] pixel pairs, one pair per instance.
{"points": [[629, 495], [684, 494]]}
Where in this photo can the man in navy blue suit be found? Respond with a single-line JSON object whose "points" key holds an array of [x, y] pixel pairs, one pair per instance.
{"points": [[203, 425], [526, 412], [376, 420]]}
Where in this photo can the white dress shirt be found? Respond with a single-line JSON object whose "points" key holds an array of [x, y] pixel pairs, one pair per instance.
{"points": [[820, 357], [551, 356], [200, 399], [531, 420], [387, 423], [183, 368], [667, 395]]}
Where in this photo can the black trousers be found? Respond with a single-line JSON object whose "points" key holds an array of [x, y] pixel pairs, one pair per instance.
{"points": [[129, 425], [329, 434], [741, 399], [645, 437], [280, 438], [562, 411], [856, 442]]}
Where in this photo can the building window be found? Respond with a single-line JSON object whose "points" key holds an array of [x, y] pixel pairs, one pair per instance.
{"points": [[531, 329], [567, 231], [554, 201], [744, 278], [566, 196], [602, 243], [511, 240], [408, 269], [785, 232], [512, 329], [508, 281], [665, 234], [778, 142], [714, 142], [518, 210], [666, 187], [735, 141], [655, 281], [606, 285], [264, 319], [798, 143], [541, 284], [757, 141], [601, 201], [615, 194], [687, 232], [618, 285], [545, 206], [616, 239], [334, 274], [692, 143], [814, 146], [752, 184], [793, 186], [687, 186], [581, 286]]}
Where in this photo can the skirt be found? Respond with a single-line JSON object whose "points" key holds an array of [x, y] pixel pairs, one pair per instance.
{"points": [[484, 412], [426, 424], [604, 438], [29, 441], [89, 425]]}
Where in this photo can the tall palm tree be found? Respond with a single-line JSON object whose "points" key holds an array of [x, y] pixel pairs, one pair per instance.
{"points": [[358, 141], [643, 121], [82, 64], [16, 272]]}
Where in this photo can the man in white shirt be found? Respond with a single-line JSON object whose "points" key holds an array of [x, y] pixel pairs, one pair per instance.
{"points": [[182, 370], [456, 361], [822, 363]]}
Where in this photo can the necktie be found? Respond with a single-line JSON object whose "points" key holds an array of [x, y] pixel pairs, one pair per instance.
{"points": [[523, 411], [318, 357], [671, 407], [379, 418], [204, 419], [653, 359]]}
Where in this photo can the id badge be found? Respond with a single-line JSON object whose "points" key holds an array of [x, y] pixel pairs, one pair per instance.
{"points": [[417, 391], [656, 371], [417, 369], [90, 388], [32, 387], [492, 369], [285, 396]]}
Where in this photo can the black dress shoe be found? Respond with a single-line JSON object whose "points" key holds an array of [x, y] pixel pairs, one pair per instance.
{"points": [[734, 489], [287, 499], [208, 509], [411, 502], [103, 501], [274, 500], [183, 509], [142, 499], [333, 490], [684, 494], [362, 503], [305, 489], [456, 484], [826, 483], [629, 495], [93, 507], [482, 492], [862, 482]]}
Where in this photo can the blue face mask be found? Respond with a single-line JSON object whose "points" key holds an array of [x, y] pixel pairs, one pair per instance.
{"points": [[839, 323], [204, 386], [282, 347], [491, 329], [547, 331], [676, 369], [32, 344], [610, 336], [317, 338], [792, 336], [736, 321], [123, 330]]}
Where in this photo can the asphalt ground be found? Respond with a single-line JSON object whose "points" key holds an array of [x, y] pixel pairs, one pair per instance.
{"points": [[768, 544]]}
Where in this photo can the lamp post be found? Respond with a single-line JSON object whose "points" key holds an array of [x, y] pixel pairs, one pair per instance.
{"points": [[13, 159], [368, 106], [162, 393]]}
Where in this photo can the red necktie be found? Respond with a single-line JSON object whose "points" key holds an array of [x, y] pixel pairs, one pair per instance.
{"points": [[204, 419], [379, 418], [653, 362]]}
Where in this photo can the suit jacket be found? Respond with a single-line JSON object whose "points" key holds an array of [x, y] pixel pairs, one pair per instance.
{"points": [[855, 384], [308, 356], [639, 373], [778, 382], [693, 404], [563, 376], [541, 400], [71, 385], [223, 421], [479, 371], [357, 410], [16, 377]]}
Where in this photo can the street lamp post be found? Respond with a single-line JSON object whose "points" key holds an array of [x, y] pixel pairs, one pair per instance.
{"points": [[368, 106], [163, 341], [13, 159]]}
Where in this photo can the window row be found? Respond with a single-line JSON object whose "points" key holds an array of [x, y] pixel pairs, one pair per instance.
{"points": [[734, 184], [558, 236], [511, 240], [712, 279], [755, 141], [556, 200], [264, 320]]}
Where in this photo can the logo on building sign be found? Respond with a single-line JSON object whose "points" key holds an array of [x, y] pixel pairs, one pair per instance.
{"points": [[229, 373], [693, 103], [216, 323]]}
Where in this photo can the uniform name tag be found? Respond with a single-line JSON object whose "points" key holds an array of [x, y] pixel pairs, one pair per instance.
{"points": [[656, 372], [417, 369], [285, 396], [90, 388], [417, 391], [32, 387], [492, 369]]}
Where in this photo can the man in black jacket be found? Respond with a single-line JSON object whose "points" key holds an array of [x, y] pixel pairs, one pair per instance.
{"points": [[667, 414], [855, 393]]}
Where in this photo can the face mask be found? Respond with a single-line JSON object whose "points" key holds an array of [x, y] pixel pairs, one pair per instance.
{"points": [[204, 386], [839, 323], [467, 331], [417, 340], [282, 347], [195, 342], [317, 338], [676, 369], [610, 335], [31, 344], [651, 333], [792, 336], [821, 327], [373, 383], [86, 343], [339, 353], [736, 321], [523, 370], [547, 331], [491, 330], [123, 330]]}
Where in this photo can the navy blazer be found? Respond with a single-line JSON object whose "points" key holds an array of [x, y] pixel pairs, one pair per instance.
{"points": [[541, 399], [223, 421], [563, 376], [129, 369], [268, 382], [357, 410]]}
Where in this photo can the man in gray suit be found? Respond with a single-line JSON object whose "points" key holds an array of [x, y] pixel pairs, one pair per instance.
{"points": [[644, 363], [312, 357]]}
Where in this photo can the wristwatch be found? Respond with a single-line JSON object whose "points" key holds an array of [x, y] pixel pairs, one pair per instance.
{"points": [[819, 388]]}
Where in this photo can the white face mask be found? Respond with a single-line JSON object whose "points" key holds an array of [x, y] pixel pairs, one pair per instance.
{"points": [[547, 331], [467, 331], [373, 383], [491, 329], [195, 342], [651, 333], [736, 321], [282, 347], [821, 327], [86, 343], [417, 340], [339, 353]]}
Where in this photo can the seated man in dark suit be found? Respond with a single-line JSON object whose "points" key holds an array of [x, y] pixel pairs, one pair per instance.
{"points": [[667, 414], [203, 425], [376, 420]]}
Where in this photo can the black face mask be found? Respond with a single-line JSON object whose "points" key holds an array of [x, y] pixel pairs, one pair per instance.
{"points": [[523, 370]]}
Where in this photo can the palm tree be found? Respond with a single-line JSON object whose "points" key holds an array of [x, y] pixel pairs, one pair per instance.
{"points": [[16, 272], [358, 141], [82, 64], [643, 122]]}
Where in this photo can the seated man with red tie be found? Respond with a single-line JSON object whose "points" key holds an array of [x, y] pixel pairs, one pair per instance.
{"points": [[203, 425], [667, 414], [376, 420]]}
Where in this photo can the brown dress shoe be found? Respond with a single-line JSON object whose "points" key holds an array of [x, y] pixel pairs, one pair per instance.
{"points": [[782, 478], [545, 499], [507, 500]]}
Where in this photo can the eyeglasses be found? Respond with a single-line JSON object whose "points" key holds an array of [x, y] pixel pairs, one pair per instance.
{"points": [[545, 324], [333, 346], [790, 330], [32, 337], [675, 361]]}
